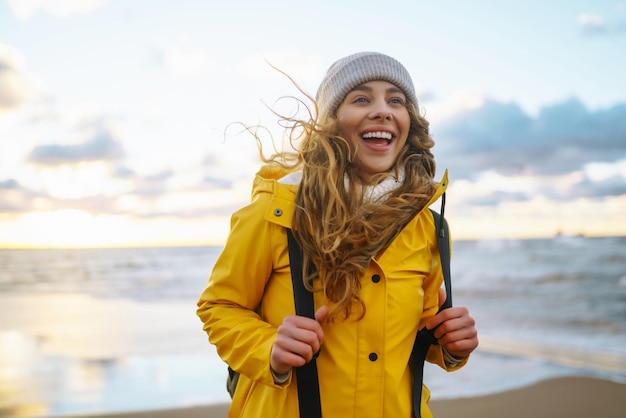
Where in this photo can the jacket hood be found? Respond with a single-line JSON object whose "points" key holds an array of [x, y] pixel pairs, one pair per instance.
{"points": [[282, 197]]}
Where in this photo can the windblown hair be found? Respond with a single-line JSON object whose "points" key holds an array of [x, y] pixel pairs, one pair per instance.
{"points": [[338, 229]]}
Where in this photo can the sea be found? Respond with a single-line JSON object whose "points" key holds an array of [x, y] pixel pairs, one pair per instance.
{"points": [[86, 331]]}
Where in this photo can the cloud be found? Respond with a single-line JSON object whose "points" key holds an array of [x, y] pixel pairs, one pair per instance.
{"points": [[497, 197], [591, 23], [102, 147], [20, 200], [16, 88], [225, 210], [14, 198], [612, 186], [217, 182], [24, 9], [152, 186], [10, 184], [124, 172], [501, 137], [95, 205], [61, 182]]}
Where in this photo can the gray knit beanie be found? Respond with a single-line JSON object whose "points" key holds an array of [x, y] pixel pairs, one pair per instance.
{"points": [[354, 70]]}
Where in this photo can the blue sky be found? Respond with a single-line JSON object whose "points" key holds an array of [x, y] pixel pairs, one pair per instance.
{"points": [[115, 115]]}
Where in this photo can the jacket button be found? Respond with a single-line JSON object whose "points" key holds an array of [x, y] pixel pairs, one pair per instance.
{"points": [[375, 278], [373, 356], [278, 212]]}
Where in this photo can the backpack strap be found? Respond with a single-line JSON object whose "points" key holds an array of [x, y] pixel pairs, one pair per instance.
{"points": [[425, 337], [308, 384]]}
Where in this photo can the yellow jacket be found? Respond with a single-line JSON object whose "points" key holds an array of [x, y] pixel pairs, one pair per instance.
{"points": [[249, 293]]}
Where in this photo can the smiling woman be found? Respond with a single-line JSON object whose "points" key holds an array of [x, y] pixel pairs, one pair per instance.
{"points": [[353, 195]]}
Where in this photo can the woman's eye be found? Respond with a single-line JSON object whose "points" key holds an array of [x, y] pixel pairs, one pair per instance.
{"points": [[360, 99], [397, 100]]}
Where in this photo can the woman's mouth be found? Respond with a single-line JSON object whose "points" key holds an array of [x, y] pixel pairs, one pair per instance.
{"points": [[378, 137]]}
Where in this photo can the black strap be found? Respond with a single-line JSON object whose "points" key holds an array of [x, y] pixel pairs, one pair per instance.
{"points": [[443, 241], [308, 383], [425, 338]]}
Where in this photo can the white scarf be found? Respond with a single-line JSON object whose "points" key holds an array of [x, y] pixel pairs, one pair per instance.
{"points": [[379, 192]]}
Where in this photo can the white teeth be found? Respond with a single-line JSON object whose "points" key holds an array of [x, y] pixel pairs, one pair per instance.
{"points": [[384, 135]]}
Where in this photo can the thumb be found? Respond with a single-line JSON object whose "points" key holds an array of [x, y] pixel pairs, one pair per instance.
{"points": [[321, 314], [442, 296]]}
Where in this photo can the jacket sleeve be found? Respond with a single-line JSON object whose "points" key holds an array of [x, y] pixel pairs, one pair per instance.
{"points": [[229, 305]]}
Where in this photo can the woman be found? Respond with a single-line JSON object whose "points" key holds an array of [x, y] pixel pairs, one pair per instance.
{"points": [[356, 196]]}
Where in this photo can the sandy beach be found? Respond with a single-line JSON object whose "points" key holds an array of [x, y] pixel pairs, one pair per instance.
{"points": [[570, 397]]}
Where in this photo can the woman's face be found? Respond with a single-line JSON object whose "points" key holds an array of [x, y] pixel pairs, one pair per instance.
{"points": [[375, 120]]}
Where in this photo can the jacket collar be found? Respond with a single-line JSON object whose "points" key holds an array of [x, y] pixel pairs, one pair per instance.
{"points": [[282, 204]]}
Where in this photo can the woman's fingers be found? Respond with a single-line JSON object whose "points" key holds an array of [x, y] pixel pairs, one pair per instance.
{"points": [[297, 341]]}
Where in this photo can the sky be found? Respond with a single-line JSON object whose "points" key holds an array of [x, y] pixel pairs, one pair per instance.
{"points": [[120, 121]]}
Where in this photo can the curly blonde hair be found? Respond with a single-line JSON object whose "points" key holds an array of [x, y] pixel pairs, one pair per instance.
{"points": [[340, 231]]}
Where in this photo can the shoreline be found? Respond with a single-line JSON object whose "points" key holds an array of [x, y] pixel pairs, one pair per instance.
{"points": [[571, 396]]}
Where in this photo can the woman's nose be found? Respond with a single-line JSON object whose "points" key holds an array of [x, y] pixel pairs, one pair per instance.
{"points": [[382, 114], [381, 111]]}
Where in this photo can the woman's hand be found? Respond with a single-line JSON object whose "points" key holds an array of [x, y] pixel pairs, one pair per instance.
{"points": [[455, 329], [298, 339]]}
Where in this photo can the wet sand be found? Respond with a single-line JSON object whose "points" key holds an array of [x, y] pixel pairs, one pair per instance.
{"points": [[570, 397]]}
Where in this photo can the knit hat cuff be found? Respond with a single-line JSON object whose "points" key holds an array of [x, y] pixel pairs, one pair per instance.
{"points": [[349, 72]]}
